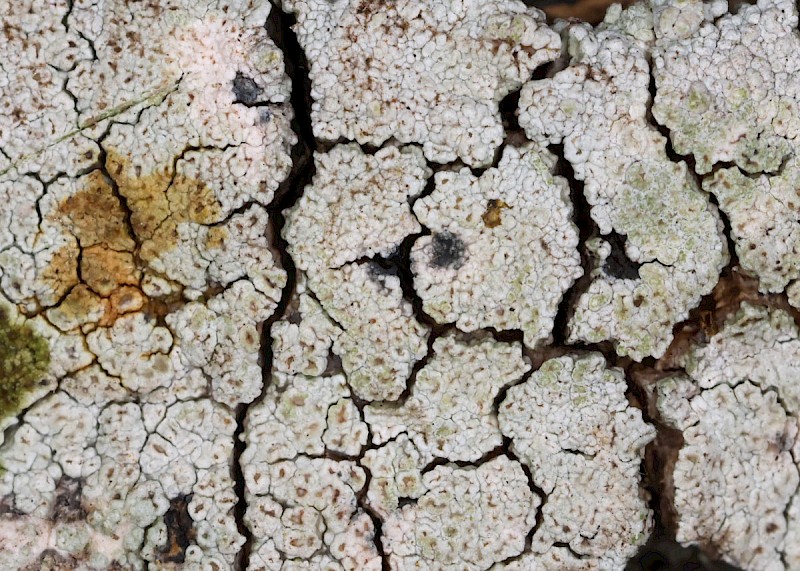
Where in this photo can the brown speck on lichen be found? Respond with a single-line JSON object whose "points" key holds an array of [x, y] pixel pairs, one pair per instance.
{"points": [[491, 216]]}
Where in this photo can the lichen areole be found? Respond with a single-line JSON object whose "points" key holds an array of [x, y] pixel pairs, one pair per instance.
{"points": [[24, 360]]}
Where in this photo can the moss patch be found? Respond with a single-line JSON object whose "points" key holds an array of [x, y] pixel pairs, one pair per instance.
{"points": [[24, 360]]}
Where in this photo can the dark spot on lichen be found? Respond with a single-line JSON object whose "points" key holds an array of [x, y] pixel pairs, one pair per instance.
{"points": [[246, 91], [491, 216], [24, 361], [180, 531], [67, 505], [447, 250], [618, 265]]}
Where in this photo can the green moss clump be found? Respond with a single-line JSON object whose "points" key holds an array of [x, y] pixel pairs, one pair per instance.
{"points": [[24, 360]]}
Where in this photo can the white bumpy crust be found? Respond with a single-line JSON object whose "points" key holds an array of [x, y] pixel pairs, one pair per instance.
{"points": [[571, 424], [421, 71], [503, 247], [727, 88], [597, 108], [356, 206], [381, 339], [738, 411], [468, 519], [449, 413], [728, 91]]}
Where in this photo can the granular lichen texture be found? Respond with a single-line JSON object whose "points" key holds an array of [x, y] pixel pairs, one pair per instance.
{"points": [[24, 361], [430, 285]]}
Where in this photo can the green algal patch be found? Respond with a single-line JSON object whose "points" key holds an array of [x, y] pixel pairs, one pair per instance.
{"points": [[24, 360]]}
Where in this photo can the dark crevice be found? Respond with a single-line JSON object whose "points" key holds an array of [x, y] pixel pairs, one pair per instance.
{"points": [[672, 155], [503, 392], [509, 452], [180, 531], [509, 112], [587, 228], [65, 18], [279, 28], [618, 264], [662, 552], [509, 107], [377, 523], [123, 201], [487, 457], [571, 551], [240, 509], [726, 231], [412, 378], [325, 145], [399, 260]]}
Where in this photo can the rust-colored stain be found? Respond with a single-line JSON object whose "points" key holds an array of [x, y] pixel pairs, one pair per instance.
{"points": [[492, 215], [61, 274], [95, 216], [116, 240], [105, 270]]}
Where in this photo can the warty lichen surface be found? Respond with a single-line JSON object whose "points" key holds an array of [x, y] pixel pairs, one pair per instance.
{"points": [[135, 275], [737, 408], [420, 71], [517, 246], [218, 351], [597, 108], [571, 424]]}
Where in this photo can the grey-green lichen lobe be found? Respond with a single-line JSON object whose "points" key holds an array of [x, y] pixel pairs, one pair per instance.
{"points": [[24, 361]]}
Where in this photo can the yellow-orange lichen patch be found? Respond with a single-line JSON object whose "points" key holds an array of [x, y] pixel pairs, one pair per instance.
{"points": [[216, 237], [60, 274], [118, 231], [105, 270], [80, 307], [125, 299], [95, 216], [162, 195]]}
